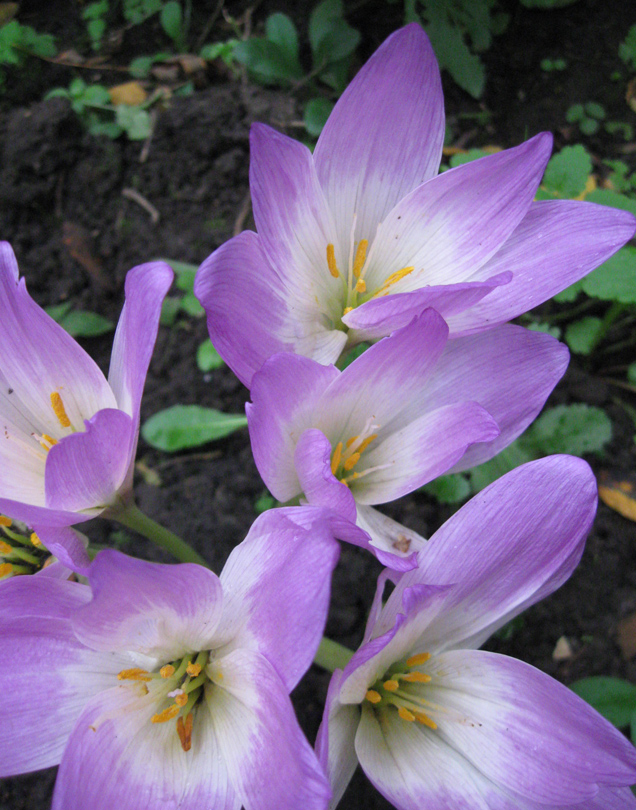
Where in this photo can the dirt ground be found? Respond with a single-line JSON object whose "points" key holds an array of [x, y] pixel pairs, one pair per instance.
{"points": [[62, 200]]}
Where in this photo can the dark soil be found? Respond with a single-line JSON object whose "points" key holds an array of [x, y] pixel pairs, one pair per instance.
{"points": [[61, 198]]}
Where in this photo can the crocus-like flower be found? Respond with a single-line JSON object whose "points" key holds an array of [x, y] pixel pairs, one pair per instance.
{"points": [[69, 436], [356, 239], [167, 686], [436, 723], [405, 411]]}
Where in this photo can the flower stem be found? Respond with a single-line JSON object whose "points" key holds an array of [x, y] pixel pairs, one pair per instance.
{"points": [[331, 655], [133, 518]]}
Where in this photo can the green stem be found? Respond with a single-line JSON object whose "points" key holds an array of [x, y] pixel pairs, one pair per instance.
{"points": [[331, 655], [610, 316], [133, 518]]}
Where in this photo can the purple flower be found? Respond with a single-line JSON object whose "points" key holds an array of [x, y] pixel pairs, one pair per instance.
{"points": [[68, 435], [356, 239], [167, 686], [436, 723], [407, 410]]}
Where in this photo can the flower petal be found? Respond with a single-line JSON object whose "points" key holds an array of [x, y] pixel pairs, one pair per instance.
{"points": [[65, 544], [312, 460], [556, 244], [158, 610], [85, 470], [284, 393], [276, 587], [270, 763], [451, 225], [385, 134]]}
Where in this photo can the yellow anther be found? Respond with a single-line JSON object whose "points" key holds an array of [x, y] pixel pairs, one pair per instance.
{"points": [[373, 697], [167, 714], [135, 674], [5, 548], [335, 460], [184, 730], [167, 671], [417, 677], [344, 481], [60, 410], [391, 685], [425, 720], [350, 441], [49, 439], [6, 569], [405, 714], [367, 442], [347, 310], [35, 540], [353, 459], [5, 521], [416, 660], [181, 700], [193, 669], [393, 279], [331, 262], [361, 255], [361, 285]]}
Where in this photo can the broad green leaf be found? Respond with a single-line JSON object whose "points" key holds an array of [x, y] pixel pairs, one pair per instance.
{"points": [[605, 196], [466, 157], [317, 111], [569, 294], [172, 20], [614, 698], [140, 67], [266, 61], [595, 110], [546, 328], [509, 458], [191, 305], [572, 429], [208, 357], [589, 126], [58, 311], [581, 335], [169, 310], [320, 21], [96, 94], [449, 488], [615, 279], [134, 120], [566, 174], [453, 54], [80, 323], [282, 31], [631, 373], [184, 426], [95, 10], [339, 42], [136, 11], [263, 503], [575, 113]]}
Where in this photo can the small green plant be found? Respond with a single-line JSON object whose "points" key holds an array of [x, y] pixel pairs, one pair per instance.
{"points": [[588, 116], [19, 41], [614, 698], [627, 48], [95, 14], [79, 322], [549, 65]]}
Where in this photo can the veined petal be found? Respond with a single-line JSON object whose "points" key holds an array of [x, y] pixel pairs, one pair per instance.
{"points": [[146, 287], [557, 243], [385, 134], [511, 545], [451, 225], [284, 393], [85, 470], [389, 535], [525, 731], [65, 544], [129, 762], [38, 598], [269, 761], [312, 460], [157, 610], [276, 587], [37, 515]]}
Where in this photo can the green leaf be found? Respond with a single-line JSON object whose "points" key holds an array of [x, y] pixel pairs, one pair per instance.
{"points": [[96, 30], [339, 42], [589, 126], [317, 111], [96, 94], [575, 113], [140, 67], [207, 357], [566, 174], [631, 373], [569, 294], [183, 426], [266, 61], [10, 38], [219, 50], [614, 698], [38, 44], [172, 21], [95, 10], [263, 503], [546, 328], [58, 311], [595, 110], [282, 31], [627, 48], [581, 335], [452, 53], [449, 488], [190, 304], [134, 121], [136, 11], [509, 458], [572, 429], [79, 323], [351, 355], [604, 196], [615, 279], [169, 310], [466, 157], [321, 20]]}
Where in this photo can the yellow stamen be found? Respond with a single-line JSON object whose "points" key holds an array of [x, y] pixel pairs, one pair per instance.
{"points": [[167, 714], [367, 442], [353, 459], [181, 700], [184, 730], [5, 521], [166, 671], [391, 685], [344, 481], [49, 439], [60, 410], [425, 720], [417, 677], [193, 669], [361, 255], [393, 279], [331, 262], [337, 455], [361, 285], [135, 674], [416, 660], [347, 310], [6, 569], [35, 540], [350, 441], [405, 714], [373, 697], [5, 548]]}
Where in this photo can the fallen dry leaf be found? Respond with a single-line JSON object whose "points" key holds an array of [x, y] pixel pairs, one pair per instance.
{"points": [[78, 242], [7, 12], [562, 650], [626, 636], [130, 93], [630, 94], [619, 495]]}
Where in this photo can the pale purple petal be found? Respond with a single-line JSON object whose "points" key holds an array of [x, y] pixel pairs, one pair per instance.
{"points": [[284, 393], [146, 287], [390, 536], [451, 225], [556, 244], [276, 587], [158, 610], [128, 762], [38, 598], [525, 731], [65, 544], [38, 515], [514, 543], [269, 761], [385, 134], [312, 460], [85, 470]]}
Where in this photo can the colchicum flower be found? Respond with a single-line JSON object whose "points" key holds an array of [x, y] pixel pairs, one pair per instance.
{"points": [[405, 411], [436, 723], [356, 239], [167, 686], [69, 436]]}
